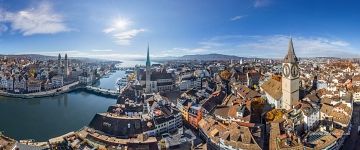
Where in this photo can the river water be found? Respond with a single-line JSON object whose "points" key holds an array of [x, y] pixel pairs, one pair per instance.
{"points": [[48, 117]]}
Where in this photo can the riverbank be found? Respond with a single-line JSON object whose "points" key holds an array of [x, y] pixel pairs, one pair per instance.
{"points": [[43, 118], [53, 92], [25, 118]]}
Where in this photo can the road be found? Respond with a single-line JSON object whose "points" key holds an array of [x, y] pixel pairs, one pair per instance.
{"points": [[353, 141], [53, 91], [40, 94]]}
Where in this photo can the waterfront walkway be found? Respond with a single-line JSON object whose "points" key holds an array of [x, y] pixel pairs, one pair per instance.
{"points": [[52, 92]]}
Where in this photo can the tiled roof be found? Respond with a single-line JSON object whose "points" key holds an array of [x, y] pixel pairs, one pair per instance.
{"points": [[214, 100], [273, 88], [339, 117], [277, 139], [116, 126], [356, 78], [238, 137], [326, 139], [246, 92], [326, 109], [157, 75]]}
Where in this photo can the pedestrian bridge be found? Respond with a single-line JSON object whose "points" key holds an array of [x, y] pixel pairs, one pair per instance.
{"points": [[102, 91]]}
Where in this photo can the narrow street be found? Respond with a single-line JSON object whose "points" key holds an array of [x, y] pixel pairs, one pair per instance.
{"points": [[353, 140]]}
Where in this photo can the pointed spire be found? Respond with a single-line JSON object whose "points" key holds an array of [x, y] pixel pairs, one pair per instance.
{"points": [[148, 56], [290, 56], [59, 56]]}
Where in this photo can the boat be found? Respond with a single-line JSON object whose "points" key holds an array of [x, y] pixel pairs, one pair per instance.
{"points": [[129, 71], [121, 82]]}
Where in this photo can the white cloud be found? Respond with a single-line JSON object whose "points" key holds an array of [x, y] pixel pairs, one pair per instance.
{"points": [[209, 44], [270, 46], [107, 54], [236, 18], [101, 50], [122, 32], [204, 48], [118, 24], [3, 28], [261, 3], [39, 20], [340, 43], [276, 46], [124, 38]]}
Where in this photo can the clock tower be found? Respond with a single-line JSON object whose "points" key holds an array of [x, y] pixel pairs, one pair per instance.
{"points": [[290, 79]]}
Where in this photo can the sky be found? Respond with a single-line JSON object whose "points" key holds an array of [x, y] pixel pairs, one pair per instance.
{"points": [[122, 29]]}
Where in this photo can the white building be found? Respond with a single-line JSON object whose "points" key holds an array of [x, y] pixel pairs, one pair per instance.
{"points": [[165, 117], [85, 79], [57, 81], [356, 94], [3, 83], [321, 84], [19, 85], [10, 84], [311, 116], [186, 85]]}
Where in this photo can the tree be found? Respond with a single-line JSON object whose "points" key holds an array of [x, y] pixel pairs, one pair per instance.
{"points": [[225, 75], [274, 114], [32, 72]]}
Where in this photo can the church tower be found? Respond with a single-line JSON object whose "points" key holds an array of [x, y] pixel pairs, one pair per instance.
{"points": [[290, 79], [59, 65], [66, 66], [148, 72], [59, 60]]}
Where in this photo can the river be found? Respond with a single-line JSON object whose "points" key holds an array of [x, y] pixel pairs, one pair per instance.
{"points": [[48, 117]]}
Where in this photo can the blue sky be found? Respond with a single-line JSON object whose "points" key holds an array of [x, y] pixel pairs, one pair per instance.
{"points": [[119, 29]]}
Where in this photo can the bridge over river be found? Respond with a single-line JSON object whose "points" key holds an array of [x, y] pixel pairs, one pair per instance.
{"points": [[102, 91]]}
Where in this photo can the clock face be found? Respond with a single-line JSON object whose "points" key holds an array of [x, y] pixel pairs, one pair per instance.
{"points": [[286, 70], [294, 71]]}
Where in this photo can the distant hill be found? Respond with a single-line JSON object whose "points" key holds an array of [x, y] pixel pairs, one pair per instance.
{"points": [[210, 57], [204, 57], [31, 56], [46, 57]]}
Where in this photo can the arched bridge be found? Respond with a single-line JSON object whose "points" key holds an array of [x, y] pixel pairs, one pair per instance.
{"points": [[102, 91]]}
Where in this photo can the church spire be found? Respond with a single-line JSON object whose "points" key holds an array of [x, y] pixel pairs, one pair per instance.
{"points": [[290, 57], [148, 57], [148, 72]]}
